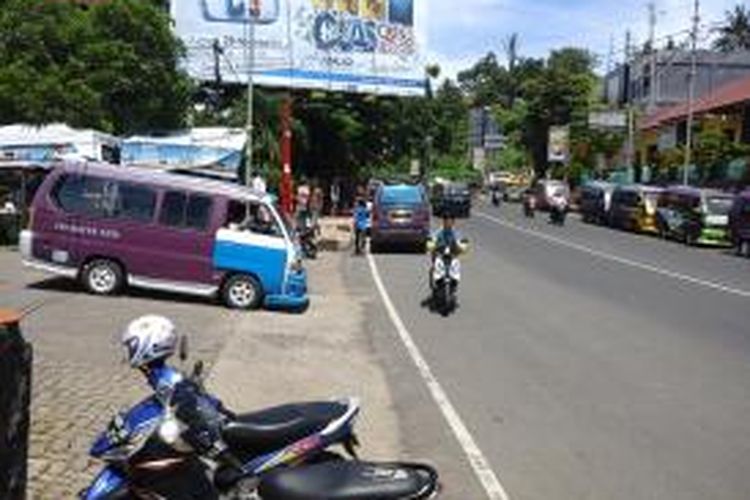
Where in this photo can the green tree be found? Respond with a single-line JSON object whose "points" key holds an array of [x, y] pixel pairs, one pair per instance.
{"points": [[734, 35], [112, 66]]}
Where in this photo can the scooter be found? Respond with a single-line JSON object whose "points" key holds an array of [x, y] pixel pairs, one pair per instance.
{"points": [[445, 275], [283, 453], [495, 198], [529, 206]]}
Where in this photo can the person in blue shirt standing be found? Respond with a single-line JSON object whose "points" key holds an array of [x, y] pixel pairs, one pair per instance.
{"points": [[361, 225]]}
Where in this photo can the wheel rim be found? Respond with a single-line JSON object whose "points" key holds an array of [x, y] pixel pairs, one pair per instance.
{"points": [[242, 294], [102, 279]]}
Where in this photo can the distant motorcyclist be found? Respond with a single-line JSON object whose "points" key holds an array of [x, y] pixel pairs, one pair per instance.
{"points": [[150, 340], [558, 207]]}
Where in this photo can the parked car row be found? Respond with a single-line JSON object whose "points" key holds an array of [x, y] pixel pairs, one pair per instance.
{"points": [[691, 215]]}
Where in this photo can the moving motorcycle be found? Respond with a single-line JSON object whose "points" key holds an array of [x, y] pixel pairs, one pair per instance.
{"points": [[278, 453], [558, 211], [529, 205], [445, 274], [496, 197]]}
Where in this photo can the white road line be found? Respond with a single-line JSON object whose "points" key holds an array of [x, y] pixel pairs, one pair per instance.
{"points": [[621, 260], [479, 463]]}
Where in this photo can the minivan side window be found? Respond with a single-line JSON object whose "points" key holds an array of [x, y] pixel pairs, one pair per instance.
{"points": [[173, 208], [99, 197], [135, 202], [179, 210], [198, 212]]}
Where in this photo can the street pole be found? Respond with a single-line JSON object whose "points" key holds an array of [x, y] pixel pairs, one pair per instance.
{"points": [[652, 44], [253, 10], [631, 125], [691, 93]]}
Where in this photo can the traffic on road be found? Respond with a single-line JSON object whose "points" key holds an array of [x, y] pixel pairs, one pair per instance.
{"points": [[374, 250]]}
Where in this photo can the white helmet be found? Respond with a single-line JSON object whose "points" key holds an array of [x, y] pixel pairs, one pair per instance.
{"points": [[149, 338]]}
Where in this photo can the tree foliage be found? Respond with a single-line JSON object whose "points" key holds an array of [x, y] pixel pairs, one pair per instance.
{"points": [[111, 66], [734, 34]]}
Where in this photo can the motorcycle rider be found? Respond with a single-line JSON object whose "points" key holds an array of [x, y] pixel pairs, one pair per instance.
{"points": [[559, 207], [446, 235], [149, 341]]}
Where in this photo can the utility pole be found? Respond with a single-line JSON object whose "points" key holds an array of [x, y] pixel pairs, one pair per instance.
{"points": [[631, 125], [691, 91], [654, 88], [253, 10]]}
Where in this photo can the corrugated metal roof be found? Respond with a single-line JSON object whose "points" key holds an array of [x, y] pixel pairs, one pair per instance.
{"points": [[727, 95]]}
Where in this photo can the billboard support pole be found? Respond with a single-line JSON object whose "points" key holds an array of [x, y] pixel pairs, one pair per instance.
{"points": [[253, 10], [286, 155]]}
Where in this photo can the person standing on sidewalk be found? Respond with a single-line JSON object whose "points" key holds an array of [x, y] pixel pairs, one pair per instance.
{"points": [[361, 225], [258, 183]]}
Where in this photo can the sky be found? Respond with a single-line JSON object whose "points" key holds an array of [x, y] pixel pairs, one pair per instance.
{"points": [[461, 31]]}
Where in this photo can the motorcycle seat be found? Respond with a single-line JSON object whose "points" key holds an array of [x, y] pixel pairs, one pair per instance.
{"points": [[272, 429], [349, 480]]}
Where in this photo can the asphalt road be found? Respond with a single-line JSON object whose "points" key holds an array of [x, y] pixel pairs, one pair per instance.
{"points": [[589, 363]]}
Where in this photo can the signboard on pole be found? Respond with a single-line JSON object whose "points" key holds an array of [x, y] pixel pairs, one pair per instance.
{"points": [[608, 120], [370, 46], [559, 144]]}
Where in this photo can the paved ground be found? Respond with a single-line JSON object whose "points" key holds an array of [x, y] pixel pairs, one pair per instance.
{"points": [[255, 359], [585, 377]]}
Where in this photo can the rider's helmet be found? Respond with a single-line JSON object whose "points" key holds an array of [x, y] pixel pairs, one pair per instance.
{"points": [[148, 339]]}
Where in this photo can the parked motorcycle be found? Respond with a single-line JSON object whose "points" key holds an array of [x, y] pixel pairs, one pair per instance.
{"points": [[308, 237], [281, 453], [445, 275]]}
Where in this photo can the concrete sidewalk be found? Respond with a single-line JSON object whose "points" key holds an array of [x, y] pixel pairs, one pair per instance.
{"points": [[271, 359]]}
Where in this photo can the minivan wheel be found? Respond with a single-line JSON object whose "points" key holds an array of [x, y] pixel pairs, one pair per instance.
{"points": [[102, 277], [242, 291]]}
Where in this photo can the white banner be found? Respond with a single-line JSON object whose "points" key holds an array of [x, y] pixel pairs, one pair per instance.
{"points": [[372, 46]]}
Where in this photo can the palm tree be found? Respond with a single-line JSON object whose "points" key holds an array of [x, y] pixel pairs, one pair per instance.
{"points": [[735, 34]]}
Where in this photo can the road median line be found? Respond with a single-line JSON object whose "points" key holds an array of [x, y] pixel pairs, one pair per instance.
{"points": [[479, 463], [621, 260]]}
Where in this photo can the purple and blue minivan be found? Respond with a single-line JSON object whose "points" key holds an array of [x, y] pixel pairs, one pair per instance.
{"points": [[112, 227]]}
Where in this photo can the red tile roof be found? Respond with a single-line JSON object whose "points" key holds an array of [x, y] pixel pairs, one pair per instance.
{"points": [[732, 93]]}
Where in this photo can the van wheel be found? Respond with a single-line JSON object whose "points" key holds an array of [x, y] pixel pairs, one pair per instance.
{"points": [[242, 291], [102, 277]]}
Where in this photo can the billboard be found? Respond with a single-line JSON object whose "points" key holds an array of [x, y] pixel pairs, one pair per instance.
{"points": [[559, 144], [372, 46]]}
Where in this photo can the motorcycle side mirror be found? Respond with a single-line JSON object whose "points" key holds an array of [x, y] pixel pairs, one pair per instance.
{"points": [[184, 348]]}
